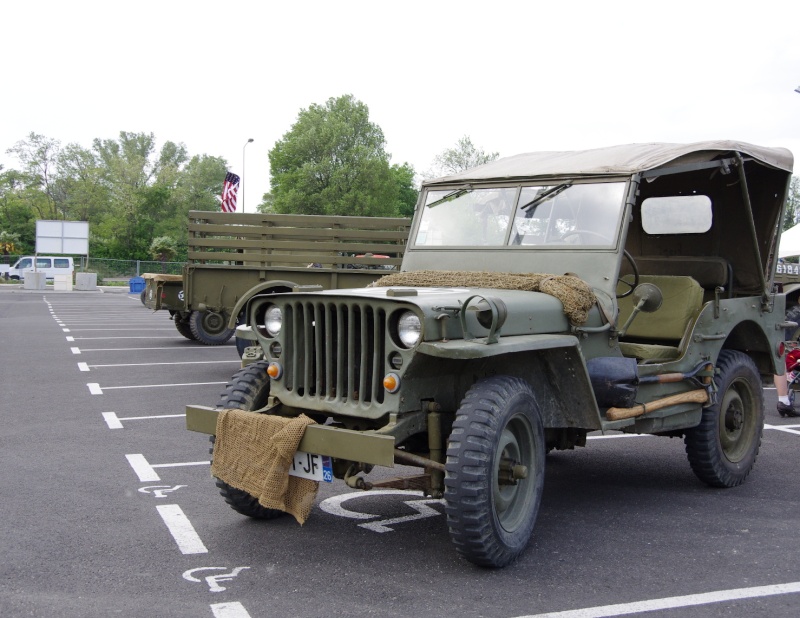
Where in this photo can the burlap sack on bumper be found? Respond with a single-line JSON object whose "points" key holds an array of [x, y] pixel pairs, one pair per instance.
{"points": [[253, 452]]}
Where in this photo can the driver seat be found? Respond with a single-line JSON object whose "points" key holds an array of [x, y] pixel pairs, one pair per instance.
{"points": [[659, 336]]}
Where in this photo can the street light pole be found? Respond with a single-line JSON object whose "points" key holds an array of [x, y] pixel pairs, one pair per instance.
{"points": [[242, 181]]}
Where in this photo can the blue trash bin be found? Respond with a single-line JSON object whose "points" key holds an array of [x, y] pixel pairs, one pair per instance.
{"points": [[137, 285]]}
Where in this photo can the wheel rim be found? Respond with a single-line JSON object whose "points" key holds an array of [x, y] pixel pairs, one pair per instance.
{"points": [[512, 498], [213, 323], [737, 420]]}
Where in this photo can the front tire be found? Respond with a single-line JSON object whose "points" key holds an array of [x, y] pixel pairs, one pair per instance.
{"points": [[723, 448], [248, 390], [490, 510], [210, 327]]}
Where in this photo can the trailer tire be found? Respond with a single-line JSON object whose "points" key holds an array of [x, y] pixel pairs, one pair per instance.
{"points": [[182, 325], [723, 448], [497, 427], [210, 327], [247, 390]]}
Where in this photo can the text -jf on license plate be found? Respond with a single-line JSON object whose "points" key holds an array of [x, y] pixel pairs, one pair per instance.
{"points": [[311, 466]]}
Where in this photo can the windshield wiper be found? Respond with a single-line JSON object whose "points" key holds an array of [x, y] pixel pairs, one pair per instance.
{"points": [[546, 195], [450, 196]]}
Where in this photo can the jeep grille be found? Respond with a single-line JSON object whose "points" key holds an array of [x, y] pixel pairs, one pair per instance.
{"points": [[334, 351]]}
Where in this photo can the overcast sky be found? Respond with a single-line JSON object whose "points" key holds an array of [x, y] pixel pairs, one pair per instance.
{"points": [[514, 76]]}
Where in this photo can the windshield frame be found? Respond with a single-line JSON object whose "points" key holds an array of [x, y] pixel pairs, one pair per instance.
{"points": [[547, 190]]}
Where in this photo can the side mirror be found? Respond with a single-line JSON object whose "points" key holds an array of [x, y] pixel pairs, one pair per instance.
{"points": [[648, 298]]}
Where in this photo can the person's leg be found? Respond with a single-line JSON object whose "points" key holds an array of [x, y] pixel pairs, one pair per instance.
{"points": [[782, 389]]}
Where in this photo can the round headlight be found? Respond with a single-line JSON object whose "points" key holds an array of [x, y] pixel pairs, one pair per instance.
{"points": [[409, 329], [273, 320]]}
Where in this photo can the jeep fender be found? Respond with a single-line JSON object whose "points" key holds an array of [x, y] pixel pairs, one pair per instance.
{"points": [[553, 364], [270, 287]]}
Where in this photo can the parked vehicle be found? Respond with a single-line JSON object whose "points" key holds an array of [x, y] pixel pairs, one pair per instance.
{"points": [[51, 265], [541, 297], [234, 258]]}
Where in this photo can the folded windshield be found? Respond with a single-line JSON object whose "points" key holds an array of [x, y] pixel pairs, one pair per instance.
{"points": [[585, 214]]}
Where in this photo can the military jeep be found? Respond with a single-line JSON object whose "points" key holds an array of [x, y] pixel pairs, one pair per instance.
{"points": [[541, 297]]}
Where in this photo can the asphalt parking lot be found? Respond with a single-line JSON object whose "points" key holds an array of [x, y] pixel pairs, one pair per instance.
{"points": [[108, 507]]}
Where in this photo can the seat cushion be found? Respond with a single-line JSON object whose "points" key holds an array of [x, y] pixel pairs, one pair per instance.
{"points": [[683, 298]]}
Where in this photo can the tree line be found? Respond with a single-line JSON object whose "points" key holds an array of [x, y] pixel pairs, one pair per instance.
{"points": [[136, 197]]}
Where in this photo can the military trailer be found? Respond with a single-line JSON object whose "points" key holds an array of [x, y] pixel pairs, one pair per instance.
{"points": [[235, 256], [542, 297]]}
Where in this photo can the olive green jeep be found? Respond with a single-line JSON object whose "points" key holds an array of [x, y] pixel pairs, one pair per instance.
{"points": [[541, 297]]}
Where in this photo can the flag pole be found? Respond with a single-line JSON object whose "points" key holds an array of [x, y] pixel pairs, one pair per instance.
{"points": [[243, 149]]}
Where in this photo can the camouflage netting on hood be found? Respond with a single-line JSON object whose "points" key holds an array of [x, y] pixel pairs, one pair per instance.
{"points": [[573, 292]]}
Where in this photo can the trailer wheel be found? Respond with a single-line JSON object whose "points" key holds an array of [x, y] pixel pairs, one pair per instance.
{"points": [[182, 325], [210, 327], [494, 471], [723, 448], [247, 390]]}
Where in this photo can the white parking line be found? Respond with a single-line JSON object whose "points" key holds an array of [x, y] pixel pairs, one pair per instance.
{"points": [[784, 428], [66, 330], [115, 422], [181, 529], [689, 600], [204, 348], [146, 471], [151, 364], [229, 610], [94, 387]]}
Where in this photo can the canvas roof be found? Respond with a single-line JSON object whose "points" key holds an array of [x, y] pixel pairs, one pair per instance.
{"points": [[625, 159]]}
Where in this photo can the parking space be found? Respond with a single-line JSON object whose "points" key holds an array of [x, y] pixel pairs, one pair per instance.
{"points": [[109, 507]]}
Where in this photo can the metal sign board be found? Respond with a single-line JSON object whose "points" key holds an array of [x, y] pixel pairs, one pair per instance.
{"points": [[69, 237]]}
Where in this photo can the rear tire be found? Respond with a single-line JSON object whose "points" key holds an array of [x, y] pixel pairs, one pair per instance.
{"points": [[248, 390], [489, 515], [723, 448], [210, 327]]}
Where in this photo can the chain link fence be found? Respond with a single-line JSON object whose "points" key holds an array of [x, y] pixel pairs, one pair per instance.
{"points": [[108, 269]]}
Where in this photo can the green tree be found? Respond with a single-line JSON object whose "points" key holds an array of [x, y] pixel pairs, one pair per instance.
{"points": [[333, 161], [463, 156], [163, 249], [407, 193], [792, 204], [38, 156]]}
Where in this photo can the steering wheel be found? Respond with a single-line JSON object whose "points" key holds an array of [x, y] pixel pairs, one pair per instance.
{"points": [[635, 269], [580, 233]]}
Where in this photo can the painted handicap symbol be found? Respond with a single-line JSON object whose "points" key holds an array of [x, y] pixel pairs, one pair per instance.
{"points": [[213, 581], [160, 491]]}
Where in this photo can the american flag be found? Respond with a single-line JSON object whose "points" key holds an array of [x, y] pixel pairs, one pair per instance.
{"points": [[229, 189]]}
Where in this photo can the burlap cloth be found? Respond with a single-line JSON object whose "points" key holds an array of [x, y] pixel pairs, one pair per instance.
{"points": [[573, 292], [253, 452]]}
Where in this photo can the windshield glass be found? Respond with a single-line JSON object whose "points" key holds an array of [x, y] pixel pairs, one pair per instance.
{"points": [[542, 215]]}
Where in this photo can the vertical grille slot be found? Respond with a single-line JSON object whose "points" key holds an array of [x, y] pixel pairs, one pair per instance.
{"points": [[335, 351]]}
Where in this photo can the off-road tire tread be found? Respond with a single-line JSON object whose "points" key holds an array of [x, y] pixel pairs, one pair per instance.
{"points": [[469, 517], [184, 329], [247, 390], [702, 442]]}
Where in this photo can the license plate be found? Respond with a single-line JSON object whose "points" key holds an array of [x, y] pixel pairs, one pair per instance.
{"points": [[311, 466]]}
